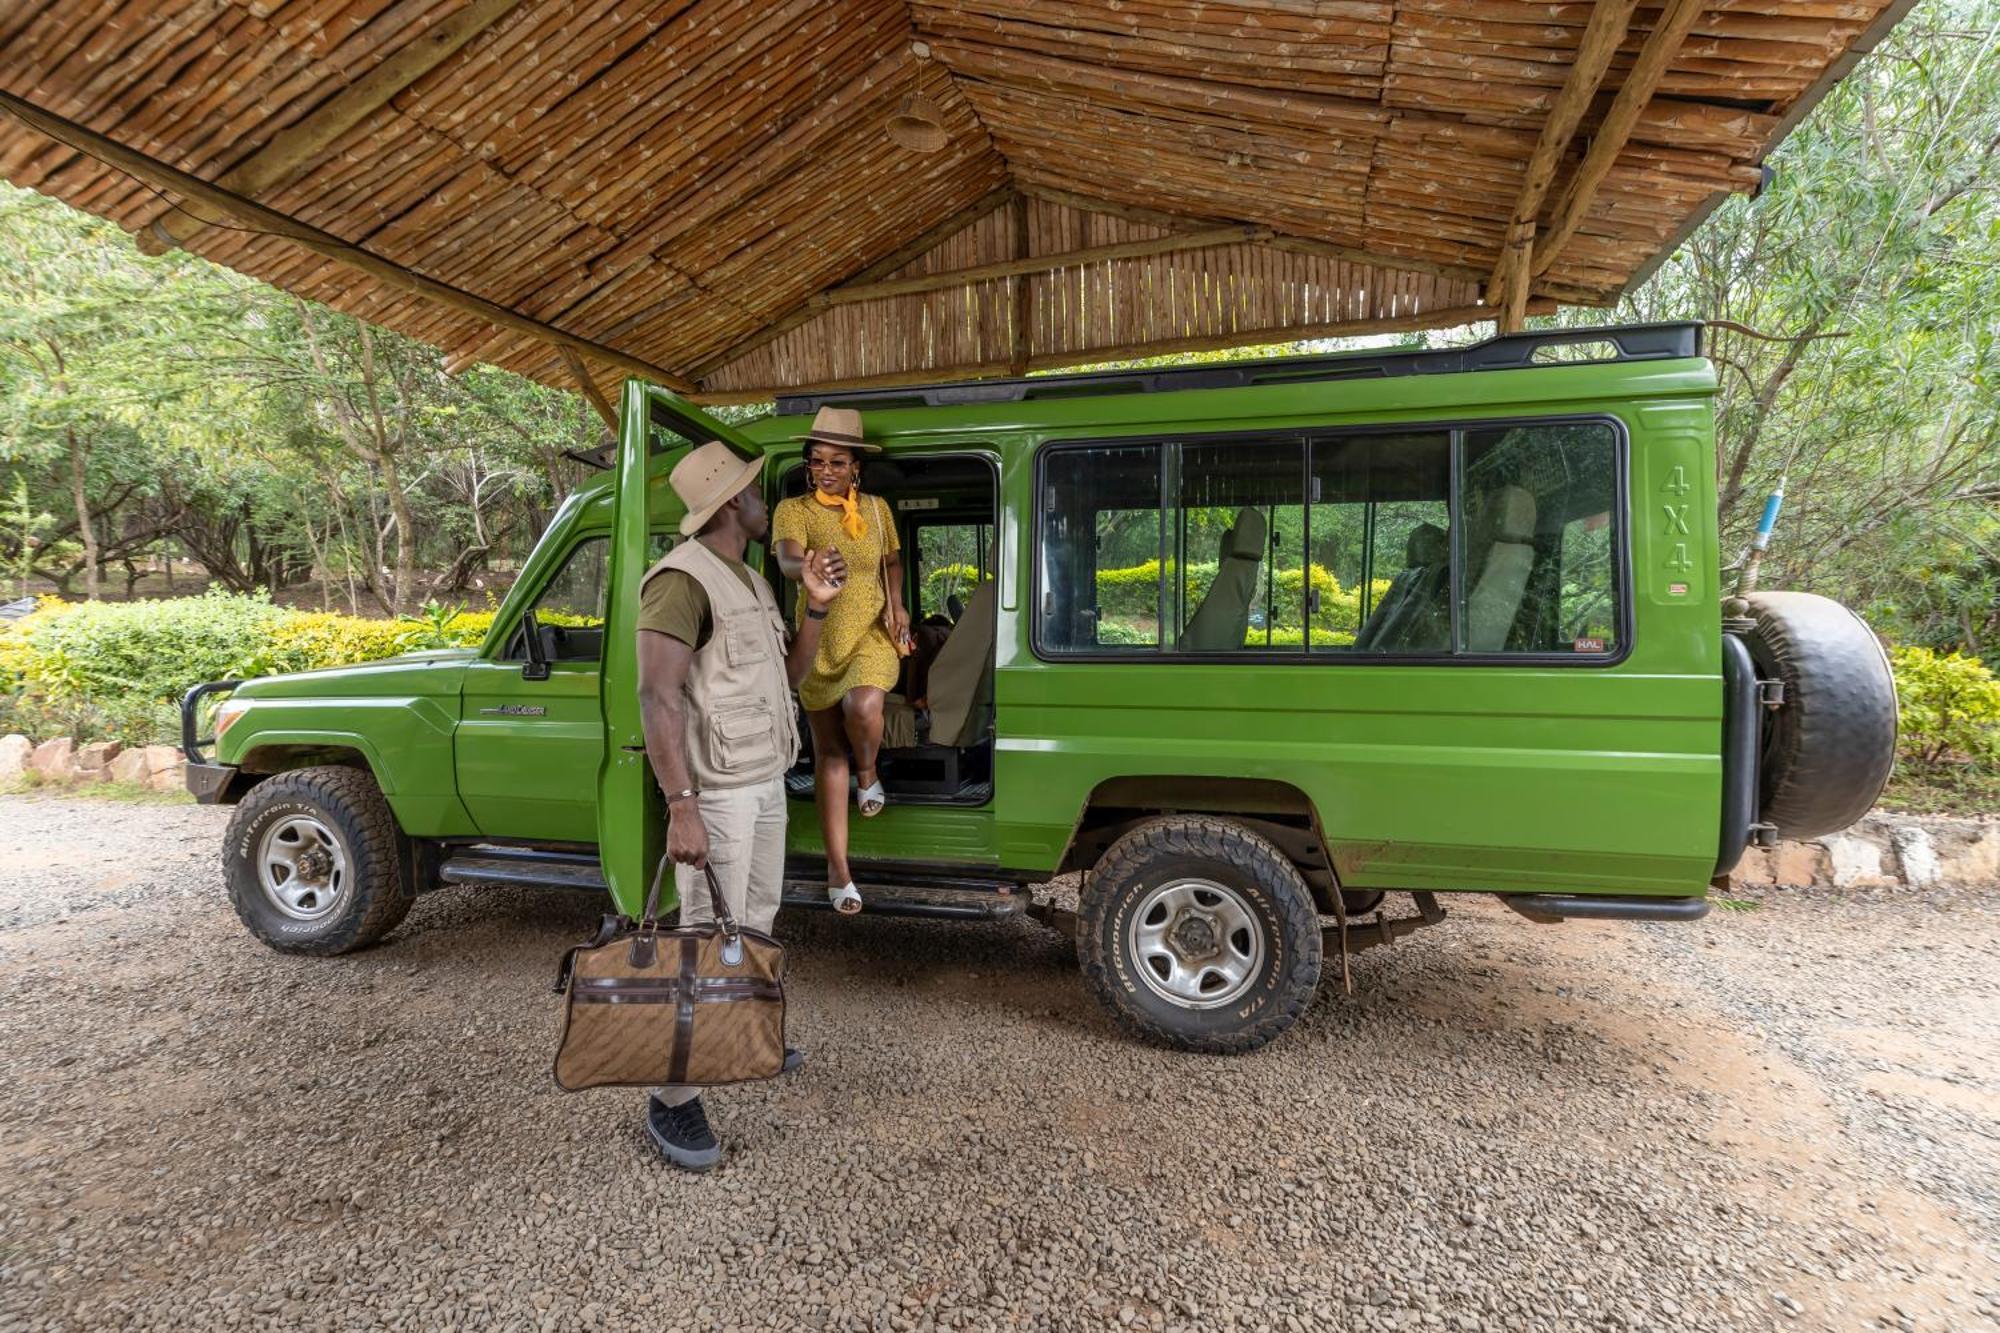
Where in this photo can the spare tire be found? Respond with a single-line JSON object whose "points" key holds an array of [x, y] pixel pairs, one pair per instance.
{"points": [[1829, 747]]}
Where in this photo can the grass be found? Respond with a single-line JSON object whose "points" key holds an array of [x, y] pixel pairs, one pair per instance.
{"points": [[1943, 789]]}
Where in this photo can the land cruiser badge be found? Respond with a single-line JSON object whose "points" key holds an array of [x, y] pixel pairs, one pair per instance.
{"points": [[515, 710]]}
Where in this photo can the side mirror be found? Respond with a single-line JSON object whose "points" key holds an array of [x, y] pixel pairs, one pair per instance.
{"points": [[537, 665]]}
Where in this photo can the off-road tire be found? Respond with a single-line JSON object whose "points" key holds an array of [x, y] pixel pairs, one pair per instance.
{"points": [[1828, 749], [1200, 846], [349, 803]]}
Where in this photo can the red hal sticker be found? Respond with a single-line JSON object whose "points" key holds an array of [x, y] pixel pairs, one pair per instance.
{"points": [[1677, 590], [1586, 644]]}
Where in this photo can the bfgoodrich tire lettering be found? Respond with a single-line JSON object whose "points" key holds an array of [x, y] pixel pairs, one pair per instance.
{"points": [[1250, 872], [347, 808]]}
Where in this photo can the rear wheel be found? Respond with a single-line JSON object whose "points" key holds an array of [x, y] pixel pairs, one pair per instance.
{"points": [[315, 862], [1199, 935]]}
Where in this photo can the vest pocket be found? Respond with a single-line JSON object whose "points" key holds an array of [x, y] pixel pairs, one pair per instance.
{"points": [[739, 735], [746, 636]]}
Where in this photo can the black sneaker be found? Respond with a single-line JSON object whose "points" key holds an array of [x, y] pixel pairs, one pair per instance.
{"points": [[682, 1135], [794, 1057]]}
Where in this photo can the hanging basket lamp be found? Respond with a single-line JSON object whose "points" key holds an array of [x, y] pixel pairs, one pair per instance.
{"points": [[918, 125]]}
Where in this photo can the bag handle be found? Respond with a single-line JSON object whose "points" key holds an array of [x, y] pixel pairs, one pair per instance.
{"points": [[649, 922]]}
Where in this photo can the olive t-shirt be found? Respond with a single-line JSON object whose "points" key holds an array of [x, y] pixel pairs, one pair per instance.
{"points": [[674, 603]]}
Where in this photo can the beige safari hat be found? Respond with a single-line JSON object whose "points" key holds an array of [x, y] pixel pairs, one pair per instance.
{"points": [[709, 478], [840, 426]]}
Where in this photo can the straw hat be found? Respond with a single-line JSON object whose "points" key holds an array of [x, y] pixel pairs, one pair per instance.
{"points": [[840, 426], [709, 478]]}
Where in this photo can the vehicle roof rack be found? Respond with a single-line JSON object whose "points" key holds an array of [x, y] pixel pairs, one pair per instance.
{"points": [[1509, 351]]}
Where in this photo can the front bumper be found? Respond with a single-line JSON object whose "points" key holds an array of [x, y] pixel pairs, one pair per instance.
{"points": [[209, 782]]}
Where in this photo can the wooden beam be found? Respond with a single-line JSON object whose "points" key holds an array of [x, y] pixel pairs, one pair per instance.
{"points": [[1508, 290], [1299, 245], [292, 150], [151, 171], [588, 386], [1018, 363], [849, 293], [1435, 319], [1662, 44], [910, 250]]}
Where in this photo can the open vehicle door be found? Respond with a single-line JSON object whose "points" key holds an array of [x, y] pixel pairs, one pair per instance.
{"points": [[656, 429]]}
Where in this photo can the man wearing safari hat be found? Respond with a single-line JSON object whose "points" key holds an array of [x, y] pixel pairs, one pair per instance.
{"points": [[712, 643]]}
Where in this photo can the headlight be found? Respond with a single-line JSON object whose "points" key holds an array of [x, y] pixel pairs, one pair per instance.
{"points": [[225, 716]]}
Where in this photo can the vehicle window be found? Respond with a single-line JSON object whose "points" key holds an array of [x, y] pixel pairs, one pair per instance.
{"points": [[1338, 544], [1101, 533], [1381, 544], [571, 605], [1539, 550], [1237, 534], [952, 558]]}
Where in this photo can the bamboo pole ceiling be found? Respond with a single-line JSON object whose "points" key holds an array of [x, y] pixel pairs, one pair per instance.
{"points": [[707, 193]]}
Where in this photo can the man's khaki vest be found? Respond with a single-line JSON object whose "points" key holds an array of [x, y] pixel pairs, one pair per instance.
{"points": [[742, 728]]}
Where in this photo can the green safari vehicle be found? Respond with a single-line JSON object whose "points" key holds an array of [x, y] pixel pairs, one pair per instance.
{"points": [[1252, 647]]}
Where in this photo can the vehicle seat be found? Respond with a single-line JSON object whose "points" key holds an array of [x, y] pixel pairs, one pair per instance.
{"points": [[1222, 619], [1506, 528], [961, 678], [1413, 616], [959, 684]]}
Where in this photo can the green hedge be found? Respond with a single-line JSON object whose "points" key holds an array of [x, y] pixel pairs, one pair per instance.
{"points": [[1133, 592], [116, 670]]}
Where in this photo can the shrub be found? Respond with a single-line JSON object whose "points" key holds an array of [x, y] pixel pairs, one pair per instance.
{"points": [[1949, 706]]}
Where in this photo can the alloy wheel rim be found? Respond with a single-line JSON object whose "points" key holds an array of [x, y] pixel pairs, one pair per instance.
{"points": [[302, 867], [1196, 943]]}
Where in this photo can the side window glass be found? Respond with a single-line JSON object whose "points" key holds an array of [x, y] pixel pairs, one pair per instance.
{"points": [[1540, 539], [570, 607], [1381, 544], [1100, 531], [1237, 532], [952, 559]]}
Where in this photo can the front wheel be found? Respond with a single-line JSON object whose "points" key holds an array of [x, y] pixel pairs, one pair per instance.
{"points": [[1199, 935], [315, 862]]}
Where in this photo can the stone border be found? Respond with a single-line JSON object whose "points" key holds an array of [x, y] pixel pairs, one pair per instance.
{"points": [[62, 762], [1882, 850]]}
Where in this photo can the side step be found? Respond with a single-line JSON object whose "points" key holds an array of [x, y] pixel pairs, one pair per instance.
{"points": [[935, 896], [1550, 908]]}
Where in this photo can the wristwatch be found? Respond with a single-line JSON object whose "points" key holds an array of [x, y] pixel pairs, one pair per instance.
{"points": [[815, 615]]}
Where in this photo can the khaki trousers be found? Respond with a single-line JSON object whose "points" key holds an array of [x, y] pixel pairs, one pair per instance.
{"points": [[746, 848]]}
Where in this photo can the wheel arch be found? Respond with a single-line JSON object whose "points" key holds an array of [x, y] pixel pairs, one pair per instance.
{"points": [[272, 752], [1278, 811]]}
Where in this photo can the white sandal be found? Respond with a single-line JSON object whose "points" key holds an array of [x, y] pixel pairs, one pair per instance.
{"points": [[846, 899], [872, 798]]}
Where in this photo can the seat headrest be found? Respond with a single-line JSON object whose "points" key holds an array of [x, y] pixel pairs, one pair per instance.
{"points": [[1245, 538], [1510, 514], [1429, 545]]}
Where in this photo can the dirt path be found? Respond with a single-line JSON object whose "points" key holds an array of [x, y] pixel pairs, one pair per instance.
{"points": [[1780, 1118]]}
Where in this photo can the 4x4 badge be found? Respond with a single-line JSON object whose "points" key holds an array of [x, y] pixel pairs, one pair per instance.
{"points": [[515, 710]]}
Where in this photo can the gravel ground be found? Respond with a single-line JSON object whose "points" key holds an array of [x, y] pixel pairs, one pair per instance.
{"points": [[1785, 1117]]}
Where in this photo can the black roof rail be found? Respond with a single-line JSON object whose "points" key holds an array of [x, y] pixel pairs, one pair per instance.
{"points": [[1509, 351]]}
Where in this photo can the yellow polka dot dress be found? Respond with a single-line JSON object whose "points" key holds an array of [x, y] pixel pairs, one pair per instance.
{"points": [[854, 649]]}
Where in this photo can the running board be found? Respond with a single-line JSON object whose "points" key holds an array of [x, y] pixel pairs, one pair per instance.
{"points": [[1550, 908], [954, 904], [937, 897]]}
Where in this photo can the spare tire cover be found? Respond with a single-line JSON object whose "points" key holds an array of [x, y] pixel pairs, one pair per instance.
{"points": [[1828, 749]]}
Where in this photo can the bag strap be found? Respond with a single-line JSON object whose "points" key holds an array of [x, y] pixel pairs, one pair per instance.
{"points": [[649, 923]]}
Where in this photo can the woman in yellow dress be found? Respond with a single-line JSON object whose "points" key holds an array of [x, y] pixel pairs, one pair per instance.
{"points": [[858, 660]]}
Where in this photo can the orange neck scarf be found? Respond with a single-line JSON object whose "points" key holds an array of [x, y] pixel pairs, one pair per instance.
{"points": [[851, 521]]}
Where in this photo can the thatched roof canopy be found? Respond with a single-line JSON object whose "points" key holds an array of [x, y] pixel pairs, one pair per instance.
{"points": [[708, 192]]}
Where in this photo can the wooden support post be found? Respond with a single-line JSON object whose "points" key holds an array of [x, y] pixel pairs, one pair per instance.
{"points": [[588, 386], [1507, 292], [1017, 364], [159, 175], [848, 293], [293, 150], [1664, 42]]}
